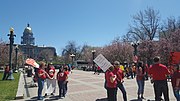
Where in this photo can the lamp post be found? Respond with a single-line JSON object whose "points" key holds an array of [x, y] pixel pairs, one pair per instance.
{"points": [[16, 66], [135, 45], [11, 38], [72, 56], [93, 56]]}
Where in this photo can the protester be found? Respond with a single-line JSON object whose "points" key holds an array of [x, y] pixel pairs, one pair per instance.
{"points": [[6, 72], [175, 80], [111, 84], [159, 73], [51, 83], [134, 69], [41, 77], [61, 79], [140, 78], [120, 75], [67, 72]]}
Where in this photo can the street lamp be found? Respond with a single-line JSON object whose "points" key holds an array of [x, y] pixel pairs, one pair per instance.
{"points": [[11, 38], [16, 50], [72, 56], [135, 45], [93, 56]]}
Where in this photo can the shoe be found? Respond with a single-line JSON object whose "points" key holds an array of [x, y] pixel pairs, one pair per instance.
{"points": [[52, 94], [142, 97], [45, 95], [41, 98]]}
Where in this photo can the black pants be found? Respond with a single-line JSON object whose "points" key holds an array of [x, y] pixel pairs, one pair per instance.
{"points": [[161, 87], [121, 87], [112, 94]]}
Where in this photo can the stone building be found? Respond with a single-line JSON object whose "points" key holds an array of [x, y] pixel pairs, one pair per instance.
{"points": [[30, 50]]}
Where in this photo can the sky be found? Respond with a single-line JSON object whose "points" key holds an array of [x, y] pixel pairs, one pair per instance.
{"points": [[91, 22]]}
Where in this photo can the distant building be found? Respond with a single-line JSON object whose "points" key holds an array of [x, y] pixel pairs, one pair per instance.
{"points": [[30, 50]]}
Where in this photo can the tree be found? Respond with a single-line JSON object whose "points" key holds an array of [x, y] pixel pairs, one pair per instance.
{"points": [[145, 25], [4, 52], [144, 28], [70, 48]]}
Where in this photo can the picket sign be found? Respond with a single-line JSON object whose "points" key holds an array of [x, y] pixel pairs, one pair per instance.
{"points": [[102, 62], [32, 62]]}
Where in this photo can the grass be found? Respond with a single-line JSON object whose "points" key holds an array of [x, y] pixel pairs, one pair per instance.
{"points": [[8, 88]]}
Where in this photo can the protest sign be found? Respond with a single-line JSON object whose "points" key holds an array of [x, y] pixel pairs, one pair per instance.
{"points": [[102, 62], [32, 62]]}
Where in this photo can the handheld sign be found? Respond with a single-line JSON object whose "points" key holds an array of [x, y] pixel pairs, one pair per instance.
{"points": [[32, 62], [102, 62]]}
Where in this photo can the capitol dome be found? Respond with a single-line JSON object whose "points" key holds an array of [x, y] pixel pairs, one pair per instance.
{"points": [[28, 29]]}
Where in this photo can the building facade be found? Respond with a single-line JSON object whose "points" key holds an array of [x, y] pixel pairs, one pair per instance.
{"points": [[30, 50]]}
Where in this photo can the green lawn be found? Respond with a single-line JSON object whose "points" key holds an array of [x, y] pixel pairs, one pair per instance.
{"points": [[8, 88]]}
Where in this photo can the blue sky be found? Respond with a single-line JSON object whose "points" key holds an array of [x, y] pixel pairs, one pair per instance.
{"points": [[91, 22]]}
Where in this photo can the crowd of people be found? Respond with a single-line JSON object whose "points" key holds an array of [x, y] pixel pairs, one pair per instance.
{"points": [[157, 72], [48, 74], [114, 78]]}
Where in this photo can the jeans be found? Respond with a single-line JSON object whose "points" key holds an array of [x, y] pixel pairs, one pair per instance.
{"points": [[40, 87], [112, 94], [140, 86], [62, 88], [161, 86], [121, 87], [176, 94], [5, 76]]}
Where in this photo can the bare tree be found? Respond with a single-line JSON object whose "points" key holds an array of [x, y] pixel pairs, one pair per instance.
{"points": [[145, 25]]}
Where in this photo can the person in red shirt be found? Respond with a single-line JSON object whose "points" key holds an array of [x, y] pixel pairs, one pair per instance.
{"points": [[175, 80], [140, 78], [42, 74], [111, 84], [159, 73], [61, 79], [120, 76], [51, 72], [6, 72], [66, 70]]}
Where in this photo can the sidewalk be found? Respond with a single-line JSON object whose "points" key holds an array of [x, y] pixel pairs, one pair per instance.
{"points": [[85, 86]]}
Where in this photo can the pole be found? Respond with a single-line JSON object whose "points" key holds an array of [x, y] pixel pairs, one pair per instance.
{"points": [[11, 38], [16, 50]]}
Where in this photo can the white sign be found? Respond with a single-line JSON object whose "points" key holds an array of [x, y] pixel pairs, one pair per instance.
{"points": [[51, 86], [102, 62]]}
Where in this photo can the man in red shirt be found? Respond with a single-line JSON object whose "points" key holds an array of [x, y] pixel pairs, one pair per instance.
{"points": [[159, 73], [119, 73], [6, 72]]}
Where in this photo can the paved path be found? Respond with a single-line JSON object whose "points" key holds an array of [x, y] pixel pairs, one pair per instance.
{"points": [[86, 86]]}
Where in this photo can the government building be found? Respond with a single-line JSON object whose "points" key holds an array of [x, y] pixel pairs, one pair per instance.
{"points": [[30, 50]]}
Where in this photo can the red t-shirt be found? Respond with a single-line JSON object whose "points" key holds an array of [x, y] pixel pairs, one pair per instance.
{"points": [[139, 74], [41, 71], [61, 76], [110, 84], [7, 69], [158, 72], [174, 77], [51, 71], [119, 73]]}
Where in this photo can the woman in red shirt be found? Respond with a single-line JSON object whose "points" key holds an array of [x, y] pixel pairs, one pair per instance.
{"points": [[51, 72], [62, 79], [42, 74], [140, 72], [111, 84], [175, 80]]}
